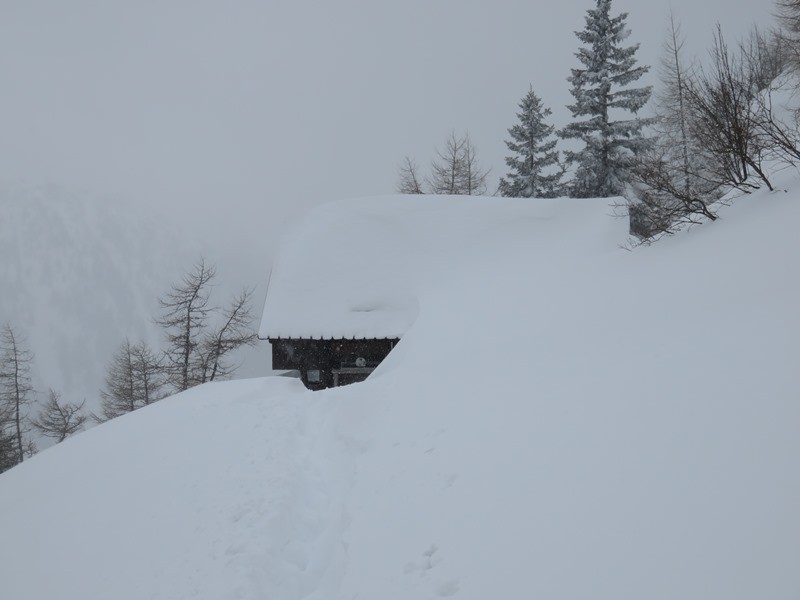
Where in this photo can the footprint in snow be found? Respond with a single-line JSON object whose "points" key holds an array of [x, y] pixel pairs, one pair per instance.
{"points": [[448, 588]]}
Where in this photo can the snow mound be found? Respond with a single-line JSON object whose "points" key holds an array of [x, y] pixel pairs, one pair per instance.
{"points": [[356, 268], [217, 493], [563, 419]]}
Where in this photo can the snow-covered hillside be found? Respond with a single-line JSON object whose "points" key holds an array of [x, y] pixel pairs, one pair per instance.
{"points": [[564, 419]]}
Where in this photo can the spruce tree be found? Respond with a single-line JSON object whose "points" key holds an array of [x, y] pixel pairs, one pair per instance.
{"points": [[535, 156], [600, 87]]}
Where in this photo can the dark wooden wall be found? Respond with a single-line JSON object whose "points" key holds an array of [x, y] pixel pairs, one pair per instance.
{"points": [[335, 361]]}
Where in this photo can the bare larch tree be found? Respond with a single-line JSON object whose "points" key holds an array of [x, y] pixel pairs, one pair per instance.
{"points": [[135, 378], [410, 182], [201, 337], [16, 390], [184, 319], [234, 331], [59, 420], [724, 118], [455, 170]]}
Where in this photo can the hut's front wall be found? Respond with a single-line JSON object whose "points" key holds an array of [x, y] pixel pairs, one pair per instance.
{"points": [[328, 363]]}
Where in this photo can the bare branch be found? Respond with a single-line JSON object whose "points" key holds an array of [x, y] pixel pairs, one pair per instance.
{"points": [[16, 389], [235, 332], [60, 420], [409, 181], [455, 170], [185, 314], [135, 378]]}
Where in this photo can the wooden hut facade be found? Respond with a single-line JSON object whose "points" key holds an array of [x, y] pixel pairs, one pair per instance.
{"points": [[330, 363]]}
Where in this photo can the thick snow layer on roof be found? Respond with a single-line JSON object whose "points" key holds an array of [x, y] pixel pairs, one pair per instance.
{"points": [[357, 268]]}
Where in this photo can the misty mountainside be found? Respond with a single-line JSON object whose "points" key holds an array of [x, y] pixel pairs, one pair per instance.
{"points": [[566, 417], [78, 274]]}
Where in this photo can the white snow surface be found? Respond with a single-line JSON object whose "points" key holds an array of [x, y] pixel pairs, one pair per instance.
{"points": [[562, 419], [357, 268]]}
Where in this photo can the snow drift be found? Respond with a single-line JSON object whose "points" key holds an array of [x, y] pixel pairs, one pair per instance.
{"points": [[356, 269], [563, 418]]}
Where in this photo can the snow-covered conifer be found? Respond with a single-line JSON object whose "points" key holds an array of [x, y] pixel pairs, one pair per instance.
{"points": [[601, 91], [534, 166]]}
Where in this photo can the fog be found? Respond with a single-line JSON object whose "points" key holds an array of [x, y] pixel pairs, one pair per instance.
{"points": [[232, 117]]}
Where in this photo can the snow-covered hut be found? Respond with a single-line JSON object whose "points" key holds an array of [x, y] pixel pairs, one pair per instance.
{"points": [[350, 278], [341, 293]]}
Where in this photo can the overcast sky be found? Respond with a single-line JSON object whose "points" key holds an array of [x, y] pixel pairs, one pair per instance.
{"points": [[251, 110]]}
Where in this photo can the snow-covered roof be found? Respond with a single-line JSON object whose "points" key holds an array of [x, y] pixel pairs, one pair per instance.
{"points": [[356, 268]]}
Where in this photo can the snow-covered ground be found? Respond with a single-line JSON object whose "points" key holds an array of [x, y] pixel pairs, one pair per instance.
{"points": [[565, 418]]}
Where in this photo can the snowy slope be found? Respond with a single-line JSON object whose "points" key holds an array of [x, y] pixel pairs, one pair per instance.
{"points": [[563, 419]]}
